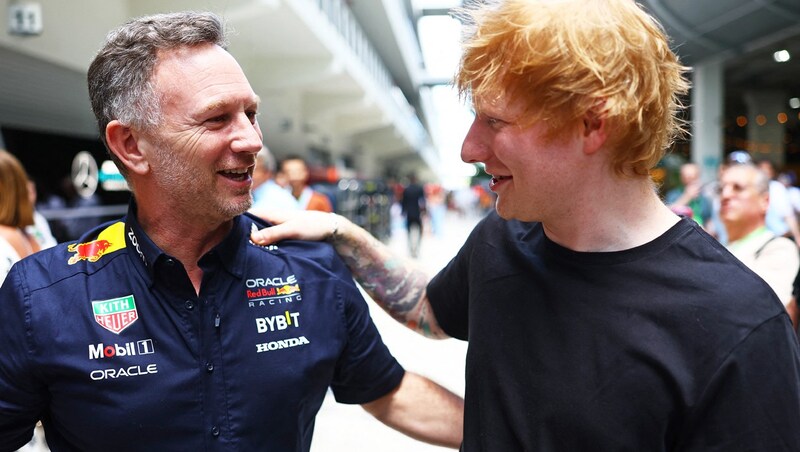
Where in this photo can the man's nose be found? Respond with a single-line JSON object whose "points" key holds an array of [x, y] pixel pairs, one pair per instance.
{"points": [[474, 148], [248, 137]]}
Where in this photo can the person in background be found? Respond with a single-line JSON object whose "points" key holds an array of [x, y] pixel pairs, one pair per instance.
{"points": [[597, 319], [781, 218], [436, 205], [412, 203], [744, 199], [296, 171], [16, 214], [169, 329], [40, 229], [690, 195], [267, 194], [788, 179]]}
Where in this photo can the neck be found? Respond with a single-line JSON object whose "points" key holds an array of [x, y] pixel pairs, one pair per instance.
{"points": [[187, 239], [610, 214]]}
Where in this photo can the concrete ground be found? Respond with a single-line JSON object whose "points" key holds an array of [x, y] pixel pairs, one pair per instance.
{"points": [[341, 428]]}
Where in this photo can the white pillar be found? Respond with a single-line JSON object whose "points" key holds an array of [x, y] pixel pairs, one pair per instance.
{"points": [[707, 117], [764, 131]]}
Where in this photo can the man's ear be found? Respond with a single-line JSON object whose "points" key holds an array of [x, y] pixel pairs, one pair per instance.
{"points": [[594, 131], [124, 143]]}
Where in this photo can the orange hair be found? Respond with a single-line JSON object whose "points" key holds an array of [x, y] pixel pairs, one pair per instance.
{"points": [[563, 59]]}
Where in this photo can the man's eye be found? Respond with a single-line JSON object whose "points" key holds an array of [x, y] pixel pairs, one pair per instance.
{"points": [[220, 118], [493, 122], [252, 115]]}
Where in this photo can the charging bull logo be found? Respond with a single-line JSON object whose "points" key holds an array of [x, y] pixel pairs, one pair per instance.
{"points": [[110, 239], [288, 290], [90, 251]]}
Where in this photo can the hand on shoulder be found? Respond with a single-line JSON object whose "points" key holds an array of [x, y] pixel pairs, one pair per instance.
{"points": [[298, 225]]}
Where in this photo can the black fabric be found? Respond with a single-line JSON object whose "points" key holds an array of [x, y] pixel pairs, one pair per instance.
{"points": [[670, 346]]}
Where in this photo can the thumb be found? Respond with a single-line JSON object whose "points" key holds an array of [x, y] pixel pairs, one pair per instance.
{"points": [[266, 236]]}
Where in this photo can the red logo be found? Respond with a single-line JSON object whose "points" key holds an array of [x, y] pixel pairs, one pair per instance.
{"points": [[90, 251]]}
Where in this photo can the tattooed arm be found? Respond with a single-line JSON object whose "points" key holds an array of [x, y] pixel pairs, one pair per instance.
{"points": [[396, 284]]}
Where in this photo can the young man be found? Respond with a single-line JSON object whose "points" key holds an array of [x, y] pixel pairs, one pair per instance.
{"points": [[170, 330], [597, 319]]}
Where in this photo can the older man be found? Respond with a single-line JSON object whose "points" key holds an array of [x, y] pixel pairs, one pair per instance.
{"points": [[169, 329], [744, 200]]}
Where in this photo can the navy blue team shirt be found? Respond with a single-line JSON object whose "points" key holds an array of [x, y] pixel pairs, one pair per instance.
{"points": [[107, 342]]}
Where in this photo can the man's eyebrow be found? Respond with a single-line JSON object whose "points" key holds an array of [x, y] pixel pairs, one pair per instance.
{"points": [[222, 104]]}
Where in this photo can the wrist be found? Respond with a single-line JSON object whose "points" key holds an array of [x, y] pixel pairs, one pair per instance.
{"points": [[335, 231]]}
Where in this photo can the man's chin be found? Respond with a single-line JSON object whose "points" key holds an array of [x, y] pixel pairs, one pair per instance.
{"points": [[504, 212], [507, 213], [235, 209]]}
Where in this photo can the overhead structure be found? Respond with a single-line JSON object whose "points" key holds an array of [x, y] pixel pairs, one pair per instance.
{"points": [[326, 92]]}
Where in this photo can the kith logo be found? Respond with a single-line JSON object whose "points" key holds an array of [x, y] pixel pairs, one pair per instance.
{"points": [[116, 314]]}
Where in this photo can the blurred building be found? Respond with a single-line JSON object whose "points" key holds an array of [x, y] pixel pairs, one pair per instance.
{"points": [[340, 82]]}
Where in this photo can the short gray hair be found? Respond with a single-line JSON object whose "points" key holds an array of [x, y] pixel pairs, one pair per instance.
{"points": [[120, 75], [760, 179]]}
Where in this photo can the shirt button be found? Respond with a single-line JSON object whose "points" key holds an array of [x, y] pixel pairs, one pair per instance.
{"points": [[189, 304], [210, 367], [215, 431], [170, 262]]}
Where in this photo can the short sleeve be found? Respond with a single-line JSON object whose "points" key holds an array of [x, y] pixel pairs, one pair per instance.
{"points": [[753, 400], [448, 293], [366, 369]]}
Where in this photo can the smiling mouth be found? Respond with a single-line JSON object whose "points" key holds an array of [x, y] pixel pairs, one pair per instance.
{"points": [[497, 179], [241, 174]]}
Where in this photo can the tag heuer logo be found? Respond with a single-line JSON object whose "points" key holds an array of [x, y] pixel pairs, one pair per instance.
{"points": [[116, 314]]}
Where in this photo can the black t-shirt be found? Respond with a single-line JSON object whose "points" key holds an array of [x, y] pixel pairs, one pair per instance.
{"points": [[670, 346]]}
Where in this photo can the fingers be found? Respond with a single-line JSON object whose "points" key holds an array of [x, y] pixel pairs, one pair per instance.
{"points": [[303, 225], [273, 234]]}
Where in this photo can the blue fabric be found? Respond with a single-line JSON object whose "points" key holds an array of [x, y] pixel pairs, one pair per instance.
{"points": [[107, 342]]}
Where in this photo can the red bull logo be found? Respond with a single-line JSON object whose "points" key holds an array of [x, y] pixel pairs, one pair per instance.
{"points": [[111, 239], [288, 290], [89, 251]]}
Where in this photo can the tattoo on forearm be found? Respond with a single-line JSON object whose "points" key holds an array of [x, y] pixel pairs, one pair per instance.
{"points": [[392, 283]]}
